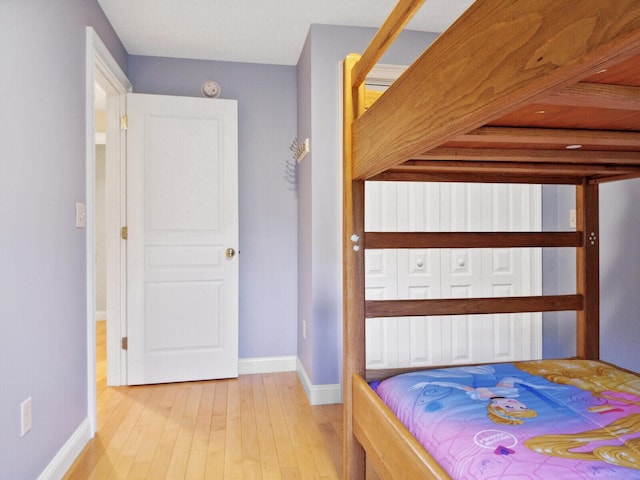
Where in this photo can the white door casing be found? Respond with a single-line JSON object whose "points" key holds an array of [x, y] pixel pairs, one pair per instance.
{"points": [[182, 216], [451, 273], [101, 68]]}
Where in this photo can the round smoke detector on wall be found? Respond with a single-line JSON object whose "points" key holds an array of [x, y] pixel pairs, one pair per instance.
{"points": [[210, 89]]}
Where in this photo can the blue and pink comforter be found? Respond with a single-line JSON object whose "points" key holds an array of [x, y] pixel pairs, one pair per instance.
{"points": [[548, 419]]}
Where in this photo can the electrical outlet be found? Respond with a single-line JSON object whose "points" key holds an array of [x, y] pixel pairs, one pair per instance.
{"points": [[304, 329], [25, 417]]}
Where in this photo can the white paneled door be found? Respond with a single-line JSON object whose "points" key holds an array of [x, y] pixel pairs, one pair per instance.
{"points": [[451, 273], [182, 218]]}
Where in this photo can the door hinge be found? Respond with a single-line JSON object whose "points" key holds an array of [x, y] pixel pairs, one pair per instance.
{"points": [[124, 122], [124, 233], [125, 343]]}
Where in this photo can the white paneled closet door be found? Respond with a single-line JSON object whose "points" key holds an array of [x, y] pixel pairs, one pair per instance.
{"points": [[381, 273], [419, 273], [451, 273], [462, 210]]}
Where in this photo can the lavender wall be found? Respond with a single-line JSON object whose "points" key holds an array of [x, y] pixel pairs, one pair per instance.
{"points": [[558, 273], [620, 273], [319, 102], [266, 97], [43, 324], [305, 212]]}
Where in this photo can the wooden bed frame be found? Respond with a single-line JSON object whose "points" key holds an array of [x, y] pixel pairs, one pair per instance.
{"points": [[545, 92]]}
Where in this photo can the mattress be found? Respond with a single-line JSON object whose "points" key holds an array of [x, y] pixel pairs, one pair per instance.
{"points": [[548, 419]]}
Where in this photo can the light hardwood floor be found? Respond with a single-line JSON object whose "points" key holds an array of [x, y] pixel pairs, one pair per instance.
{"points": [[253, 427]]}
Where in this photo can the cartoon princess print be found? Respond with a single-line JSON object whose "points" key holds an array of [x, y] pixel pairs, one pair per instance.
{"points": [[503, 406]]}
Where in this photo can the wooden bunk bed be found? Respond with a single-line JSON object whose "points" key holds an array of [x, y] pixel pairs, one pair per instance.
{"points": [[539, 92]]}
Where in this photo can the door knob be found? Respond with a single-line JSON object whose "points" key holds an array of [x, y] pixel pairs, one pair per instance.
{"points": [[230, 252]]}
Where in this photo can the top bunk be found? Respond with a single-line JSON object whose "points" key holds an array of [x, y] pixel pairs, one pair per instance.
{"points": [[542, 91]]}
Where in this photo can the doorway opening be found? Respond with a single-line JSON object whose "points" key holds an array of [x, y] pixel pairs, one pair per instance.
{"points": [[103, 74]]}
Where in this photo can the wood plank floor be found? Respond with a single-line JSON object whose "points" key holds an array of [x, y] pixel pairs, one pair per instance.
{"points": [[253, 427]]}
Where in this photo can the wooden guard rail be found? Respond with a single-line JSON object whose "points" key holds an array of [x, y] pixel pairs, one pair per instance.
{"points": [[392, 27], [381, 240], [472, 306]]}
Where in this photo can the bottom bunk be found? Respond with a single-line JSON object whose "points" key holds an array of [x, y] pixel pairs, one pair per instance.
{"points": [[570, 419]]}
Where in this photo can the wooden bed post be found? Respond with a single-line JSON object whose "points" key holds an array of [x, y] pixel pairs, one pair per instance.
{"points": [[353, 279], [588, 272]]}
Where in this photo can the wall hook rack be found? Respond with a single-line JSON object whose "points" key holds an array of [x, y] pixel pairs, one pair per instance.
{"points": [[299, 150]]}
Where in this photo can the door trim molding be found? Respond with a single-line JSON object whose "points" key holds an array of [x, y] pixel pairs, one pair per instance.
{"points": [[100, 67]]}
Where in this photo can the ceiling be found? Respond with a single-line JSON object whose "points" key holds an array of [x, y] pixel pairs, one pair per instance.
{"points": [[251, 31]]}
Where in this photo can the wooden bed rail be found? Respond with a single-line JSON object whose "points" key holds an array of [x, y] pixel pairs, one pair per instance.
{"points": [[373, 240], [472, 306], [586, 301], [392, 27], [389, 461]]}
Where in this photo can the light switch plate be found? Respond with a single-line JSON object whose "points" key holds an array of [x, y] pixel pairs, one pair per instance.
{"points": [[81, 215], [572, 218], [25, 417]]}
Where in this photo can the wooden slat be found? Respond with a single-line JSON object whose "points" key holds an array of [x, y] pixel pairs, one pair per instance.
{"points": [[611, 178], [400, 455], [390, 29], [561, 116], [597, 95], [507, 62], [472, 306], [419, 176], [471, 239], [530, 155], [588, 272], [550, 136], [529, 168]]}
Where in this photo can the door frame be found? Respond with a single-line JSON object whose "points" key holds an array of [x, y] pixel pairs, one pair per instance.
{"points": [[101, 68]]}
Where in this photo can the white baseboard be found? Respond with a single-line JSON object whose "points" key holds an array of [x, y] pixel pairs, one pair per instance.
{"points": [[319, 394], [68, 453], [248, 366], [101, 315]]}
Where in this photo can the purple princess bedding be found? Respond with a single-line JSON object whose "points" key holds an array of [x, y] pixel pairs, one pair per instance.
{"points": [[548, 419]]}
